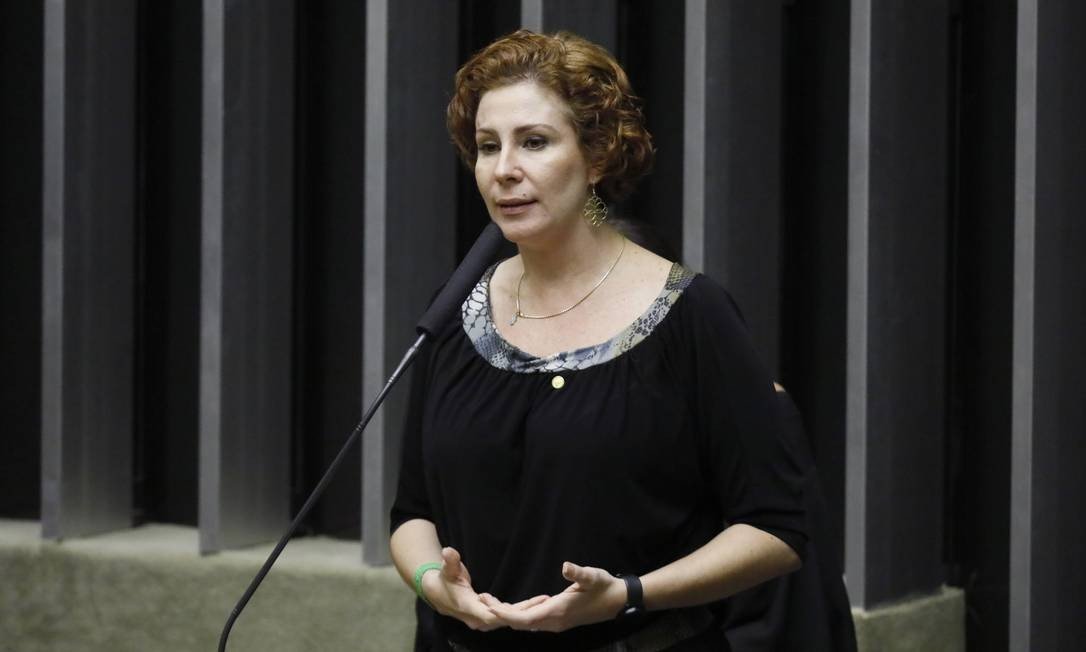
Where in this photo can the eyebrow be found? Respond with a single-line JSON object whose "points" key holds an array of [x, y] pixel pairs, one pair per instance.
{"points": [[520, 129]]}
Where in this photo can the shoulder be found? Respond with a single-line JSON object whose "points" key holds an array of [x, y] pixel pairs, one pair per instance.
{"points": [[710, 318], [710, 296], [642, 280], [646, 265]]}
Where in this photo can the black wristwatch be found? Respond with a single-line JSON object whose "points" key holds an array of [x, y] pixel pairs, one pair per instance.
{"points": [[635, 597]]}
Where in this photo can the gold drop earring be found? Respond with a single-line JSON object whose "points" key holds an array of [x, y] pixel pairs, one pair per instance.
{"points": [[595, 210]]}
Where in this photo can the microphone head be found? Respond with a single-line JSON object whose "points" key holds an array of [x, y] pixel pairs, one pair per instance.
{"points": [[456, 289]]}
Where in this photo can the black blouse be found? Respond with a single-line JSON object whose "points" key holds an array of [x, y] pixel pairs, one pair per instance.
{"points": [[625, 456]]}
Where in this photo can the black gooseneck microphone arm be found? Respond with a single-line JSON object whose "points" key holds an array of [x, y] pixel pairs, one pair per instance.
{"points": [[447, 301]]}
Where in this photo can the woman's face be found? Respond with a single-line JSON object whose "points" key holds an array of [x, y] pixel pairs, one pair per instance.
{"points": [[530, 168]]}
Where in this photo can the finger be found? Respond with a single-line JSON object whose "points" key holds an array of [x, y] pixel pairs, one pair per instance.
{"points": [[487, 624], [530, 602], [455, 564], [507, 614], [481, 625], [482, 618], [450, 563], [535, 617], [490, 601], [587, 577]]}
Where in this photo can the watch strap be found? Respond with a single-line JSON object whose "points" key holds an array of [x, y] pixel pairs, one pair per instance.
{"points": [[635, 596]]}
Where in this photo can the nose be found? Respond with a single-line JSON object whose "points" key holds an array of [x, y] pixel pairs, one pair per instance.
{"points": [[508, 167]]}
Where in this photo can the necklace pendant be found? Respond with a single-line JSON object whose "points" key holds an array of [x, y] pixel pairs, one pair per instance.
{"points": [[513, 319]]}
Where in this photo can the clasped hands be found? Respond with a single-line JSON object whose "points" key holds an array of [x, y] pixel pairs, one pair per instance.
{"points": [[593, 596]]}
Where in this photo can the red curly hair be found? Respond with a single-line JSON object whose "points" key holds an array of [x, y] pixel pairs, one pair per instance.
{"points": [[605, 113]]}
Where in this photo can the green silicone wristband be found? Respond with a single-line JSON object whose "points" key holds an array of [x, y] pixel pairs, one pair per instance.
{"points": [[419, 572]]}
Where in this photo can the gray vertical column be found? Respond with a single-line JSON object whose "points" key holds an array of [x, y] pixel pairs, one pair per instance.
{"points": [[88, 267], [896, 375], [531, 15], [734, 90], [1048, 488], [597, 21], [410, 224], [246, 275], [694, 142]]}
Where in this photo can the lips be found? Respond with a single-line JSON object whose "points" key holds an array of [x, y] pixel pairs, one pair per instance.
{"points": [[514, 206]]}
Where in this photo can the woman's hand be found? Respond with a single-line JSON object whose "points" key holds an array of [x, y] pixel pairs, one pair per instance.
{"points": [[594, 596], [450, 593]]}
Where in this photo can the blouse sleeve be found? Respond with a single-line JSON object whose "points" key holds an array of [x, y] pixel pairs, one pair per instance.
{"points": [[412, 500], [755, 472]]}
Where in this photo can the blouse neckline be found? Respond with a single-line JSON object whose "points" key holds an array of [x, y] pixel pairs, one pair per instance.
{"points": [[500, 353]]}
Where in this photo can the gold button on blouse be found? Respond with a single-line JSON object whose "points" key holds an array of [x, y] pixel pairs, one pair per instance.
{"points": [[558, 382]]}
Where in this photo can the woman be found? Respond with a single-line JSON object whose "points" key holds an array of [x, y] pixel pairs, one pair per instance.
{"points": [[597, 411]]}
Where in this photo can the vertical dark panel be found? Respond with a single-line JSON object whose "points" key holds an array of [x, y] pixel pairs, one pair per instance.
{"points": [[650, 48], [89, 197], [898, 305], [415, 113], [907, 300], [169, 294], [410, 237], [247, 271], [743, 166], [597, 21], [1057, 586], [20, 252], [982, 254], [328, 247], [813, 302]]}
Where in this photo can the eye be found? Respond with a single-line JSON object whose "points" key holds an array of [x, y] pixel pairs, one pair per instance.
{"points": [[488, 147], [535, 142]]}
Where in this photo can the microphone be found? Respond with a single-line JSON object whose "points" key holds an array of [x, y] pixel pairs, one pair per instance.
{"points": [[461, 282], [481, 254]]}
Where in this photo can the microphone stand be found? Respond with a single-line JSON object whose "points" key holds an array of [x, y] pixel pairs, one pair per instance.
{"points": [[442, 307], [408, 358]]}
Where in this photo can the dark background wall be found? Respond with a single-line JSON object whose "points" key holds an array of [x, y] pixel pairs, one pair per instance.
{"points": [[1051, 487], [981, 242], [815, 227], [945, 107], [20, 256], [328, 247], [168, 315]]}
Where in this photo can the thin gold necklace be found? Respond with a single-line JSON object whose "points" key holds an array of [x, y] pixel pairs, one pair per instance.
{"points": [[520, 315]]}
